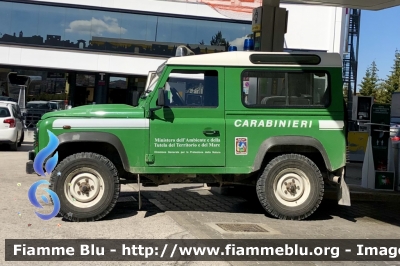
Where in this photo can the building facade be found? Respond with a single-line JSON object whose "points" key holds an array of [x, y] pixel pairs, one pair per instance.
{"points": [[83, 52]]}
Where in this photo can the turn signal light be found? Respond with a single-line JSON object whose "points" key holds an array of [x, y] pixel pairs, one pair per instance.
{"points": [[10, 121]]}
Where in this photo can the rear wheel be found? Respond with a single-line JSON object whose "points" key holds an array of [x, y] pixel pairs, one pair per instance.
{"points": [[14, 145], [22, 139], [87, 185], [291, 187]]}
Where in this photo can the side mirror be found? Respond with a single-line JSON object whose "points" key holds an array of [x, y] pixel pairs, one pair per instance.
{"points": [[135, 98], [161, 97], [160, 101]]}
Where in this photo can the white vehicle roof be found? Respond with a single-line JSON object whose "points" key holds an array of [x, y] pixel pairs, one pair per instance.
{"points": [[5, 104], [35, 102], [186, 76], [10, 102], [242, 58]]}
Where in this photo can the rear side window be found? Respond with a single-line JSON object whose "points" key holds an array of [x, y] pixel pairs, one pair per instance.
{"points": [[4, 112], [15, 112], [272, 89]]}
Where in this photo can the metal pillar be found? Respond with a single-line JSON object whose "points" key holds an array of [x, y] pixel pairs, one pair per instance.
{"points": [[350, 59], [101, 87], [72, 88], [269, 31]]}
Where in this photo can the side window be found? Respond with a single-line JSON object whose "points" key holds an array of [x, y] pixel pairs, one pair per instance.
{"points": [[268, 89], [18, 110], [4, 112], [14, 111], [192, 89]]}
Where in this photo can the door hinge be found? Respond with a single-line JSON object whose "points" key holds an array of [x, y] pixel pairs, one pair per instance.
{"points": [[149, 158]]}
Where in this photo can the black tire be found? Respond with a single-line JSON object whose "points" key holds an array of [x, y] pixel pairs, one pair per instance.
{"points": [[14, 145], [267, 184], [77, 164], [22, 139]]}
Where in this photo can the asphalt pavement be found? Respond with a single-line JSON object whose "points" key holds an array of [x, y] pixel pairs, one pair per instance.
{"points": [[185, 211]]}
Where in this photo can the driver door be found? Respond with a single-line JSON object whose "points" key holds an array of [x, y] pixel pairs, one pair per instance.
{"points": [[190, 130]]}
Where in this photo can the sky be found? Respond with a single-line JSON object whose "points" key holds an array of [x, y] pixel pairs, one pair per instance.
{"points": [[379, 39]]}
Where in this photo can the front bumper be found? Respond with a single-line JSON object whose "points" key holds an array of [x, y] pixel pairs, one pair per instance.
{"points": [[29, 164]]}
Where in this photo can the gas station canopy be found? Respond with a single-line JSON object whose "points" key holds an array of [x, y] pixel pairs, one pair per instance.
{"points": [[356, 4]]}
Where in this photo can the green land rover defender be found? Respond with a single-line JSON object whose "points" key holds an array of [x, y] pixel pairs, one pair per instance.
{"points": [[274, 121]]}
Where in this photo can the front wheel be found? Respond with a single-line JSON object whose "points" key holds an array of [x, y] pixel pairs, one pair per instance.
{"points": [[291, 187], [87, 185]]}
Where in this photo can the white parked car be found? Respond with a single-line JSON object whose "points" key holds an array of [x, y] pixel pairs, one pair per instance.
{"points": [[11, 125], [18, 110]]}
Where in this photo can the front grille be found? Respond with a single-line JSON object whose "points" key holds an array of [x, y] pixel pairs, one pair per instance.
{"points": [[36, 138], [34, 115], [32, 119]]}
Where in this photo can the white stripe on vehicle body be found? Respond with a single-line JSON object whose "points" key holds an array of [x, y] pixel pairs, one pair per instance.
{"points": [[98, 123], [142, 123], [330, 125]]}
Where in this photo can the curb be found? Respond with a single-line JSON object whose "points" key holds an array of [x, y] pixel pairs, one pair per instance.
{"points": [[374, 196]]}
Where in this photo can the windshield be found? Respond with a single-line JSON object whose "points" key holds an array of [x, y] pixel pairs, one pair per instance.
{"points": [[151, 86], [53, 106], [161, 68], [154, 80], [37, 106]]}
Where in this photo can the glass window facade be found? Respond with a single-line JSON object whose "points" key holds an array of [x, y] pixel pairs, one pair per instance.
{"points": [[74, 28], [44, 85]]}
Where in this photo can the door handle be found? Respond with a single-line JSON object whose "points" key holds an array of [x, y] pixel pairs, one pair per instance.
{"points": [[210, 132]]}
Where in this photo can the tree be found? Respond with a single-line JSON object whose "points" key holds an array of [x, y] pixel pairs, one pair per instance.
{"points": [[218, 40], [380, 94], [369, 83], [392, 83]]}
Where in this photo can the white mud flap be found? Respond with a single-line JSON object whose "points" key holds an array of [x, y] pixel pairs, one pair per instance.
{"points": [[343, 192]]}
